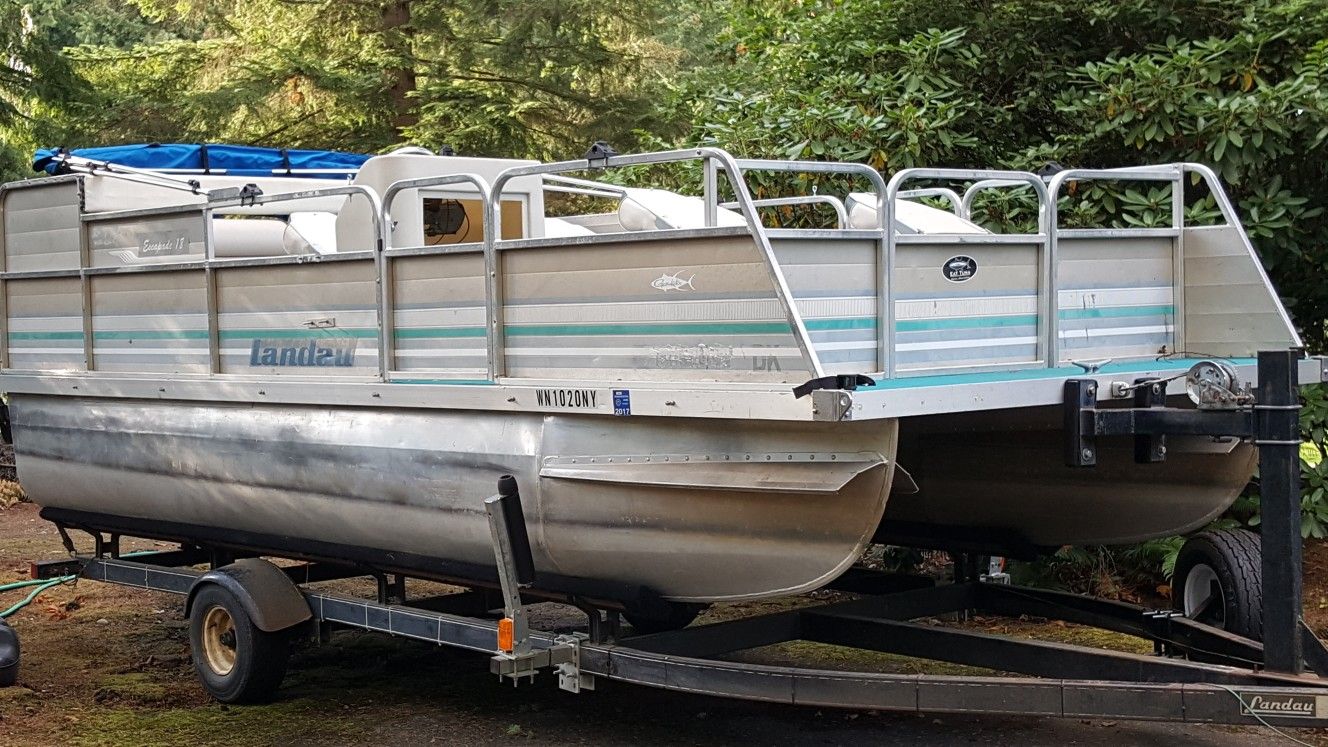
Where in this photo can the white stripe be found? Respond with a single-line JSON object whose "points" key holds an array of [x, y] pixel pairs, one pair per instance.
{"points": [[136, 350], [958, 344], [440, 353], [673, 307], [462, 316], [287, 319], [942, 308], [1109, 331], [69, 351], [1110, 297], [856, 345], [46, 323]]}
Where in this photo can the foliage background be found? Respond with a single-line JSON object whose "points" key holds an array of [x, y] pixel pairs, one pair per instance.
{"points": [[1236, 84]]}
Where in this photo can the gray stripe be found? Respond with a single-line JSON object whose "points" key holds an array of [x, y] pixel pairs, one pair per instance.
{"points": [[975, 355], [848, 356], [976, 334], [1151, 341], [844, 335], [469, 362]]}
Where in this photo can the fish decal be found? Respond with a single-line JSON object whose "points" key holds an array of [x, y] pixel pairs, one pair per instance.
{"points": [[960, 268], [673, 282]]}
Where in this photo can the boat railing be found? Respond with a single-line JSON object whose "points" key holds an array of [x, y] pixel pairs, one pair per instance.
{"points": [[201, 259], [1046, 240], [713, 161], [892, 239], [951, 196], [836, 204], [1175, 175], [386, 286]]}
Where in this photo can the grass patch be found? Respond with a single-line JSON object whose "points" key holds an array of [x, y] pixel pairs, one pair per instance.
{"points": [[297, 721]]}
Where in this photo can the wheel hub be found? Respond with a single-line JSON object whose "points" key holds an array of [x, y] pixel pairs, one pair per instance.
{"points": [[219, 640], [1202, 596]]}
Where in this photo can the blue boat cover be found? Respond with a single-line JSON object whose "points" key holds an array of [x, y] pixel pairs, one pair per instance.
{"points": [[234, 160]]}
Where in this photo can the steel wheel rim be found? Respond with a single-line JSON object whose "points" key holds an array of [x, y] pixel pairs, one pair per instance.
{"points": [[219, 640], [1202, 583]]}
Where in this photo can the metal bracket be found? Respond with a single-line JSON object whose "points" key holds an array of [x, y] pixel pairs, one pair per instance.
{"points": [[515, 666], [1149, 422]]}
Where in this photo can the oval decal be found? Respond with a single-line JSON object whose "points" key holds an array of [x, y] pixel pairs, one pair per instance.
{"points": [[960, 268]]}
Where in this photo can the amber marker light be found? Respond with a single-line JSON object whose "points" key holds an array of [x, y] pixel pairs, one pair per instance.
{"points": [[505, 635]]}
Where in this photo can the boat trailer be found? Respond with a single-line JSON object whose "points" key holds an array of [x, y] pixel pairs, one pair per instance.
{"points": [[1196, 673]]}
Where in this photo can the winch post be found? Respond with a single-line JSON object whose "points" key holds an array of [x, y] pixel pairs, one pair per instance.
{"points": [[1277, 434], [516, 567]]}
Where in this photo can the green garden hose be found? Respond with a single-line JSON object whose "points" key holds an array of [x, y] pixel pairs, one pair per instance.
{"points": [[41, 584]]}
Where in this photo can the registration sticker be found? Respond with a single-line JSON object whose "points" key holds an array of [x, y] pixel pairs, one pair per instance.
{"points": [[622, 402]]}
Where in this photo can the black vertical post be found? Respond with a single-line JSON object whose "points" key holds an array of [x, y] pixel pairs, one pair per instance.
{"points": [[510, 502], [1277, 433]]}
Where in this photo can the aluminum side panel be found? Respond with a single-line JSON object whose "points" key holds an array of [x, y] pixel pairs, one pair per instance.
{"points": [[1229, 307], [413, 481]]}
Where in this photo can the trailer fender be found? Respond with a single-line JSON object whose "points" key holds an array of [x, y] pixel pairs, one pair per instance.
{"points": [[268, 595]]}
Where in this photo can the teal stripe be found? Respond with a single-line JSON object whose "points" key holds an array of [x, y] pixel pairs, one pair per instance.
{"points": [[831, 325], [969, 322], [1112, 312], [694, 328], [1172, 364], [457, 382], [46, 335], [645, 328], [152, 334], [417, 333]]}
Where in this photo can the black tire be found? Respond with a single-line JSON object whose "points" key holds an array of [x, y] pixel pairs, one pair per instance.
{"points": [[257, 660], [9, 655], [663, 617], [1228, 562]]}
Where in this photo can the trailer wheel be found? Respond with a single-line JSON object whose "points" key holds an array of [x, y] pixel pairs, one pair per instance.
{"points": [[237, 662], [663, 617], [1219, 581]]}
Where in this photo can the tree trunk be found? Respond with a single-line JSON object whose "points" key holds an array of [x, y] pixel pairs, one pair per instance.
{"points": [[399, 36]]}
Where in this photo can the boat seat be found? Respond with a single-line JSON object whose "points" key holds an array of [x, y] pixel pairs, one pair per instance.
{"points": [[233, 238], [910, 216], [559, 228], [657, 209]]}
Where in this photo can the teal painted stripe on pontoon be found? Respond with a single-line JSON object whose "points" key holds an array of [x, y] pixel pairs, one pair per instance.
{"points": [[418, 333], [909, 382], [1108, 312]]}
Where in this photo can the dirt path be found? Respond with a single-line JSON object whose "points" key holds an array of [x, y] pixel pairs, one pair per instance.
{"points": [[103, 665]]}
